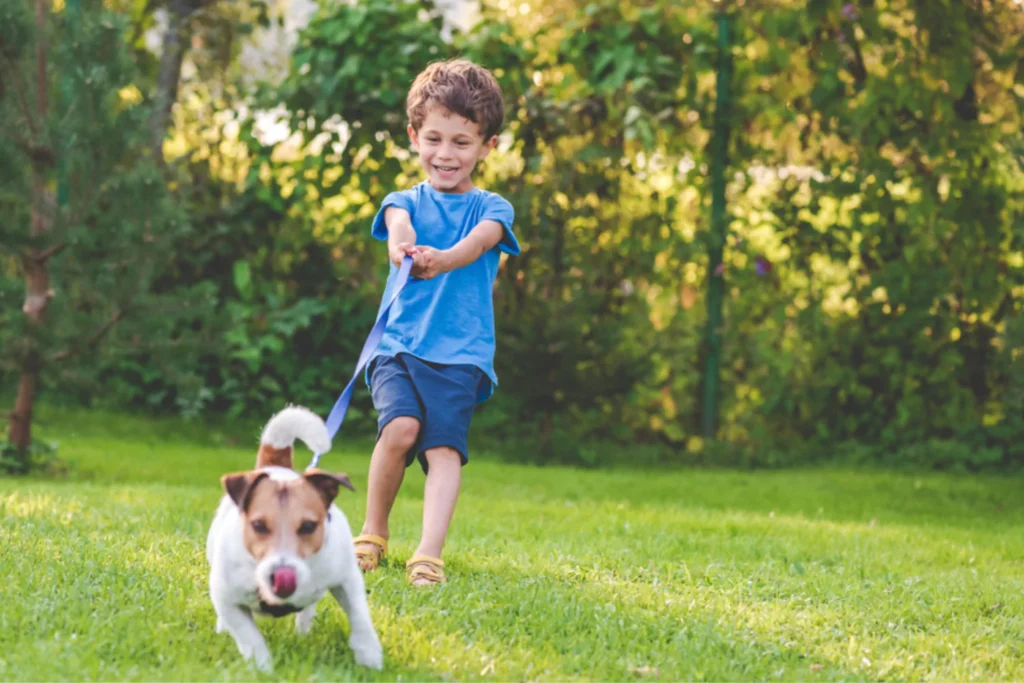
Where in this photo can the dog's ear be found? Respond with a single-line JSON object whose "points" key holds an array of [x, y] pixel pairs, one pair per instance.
{"points": [[240, 486], [327, 483]]}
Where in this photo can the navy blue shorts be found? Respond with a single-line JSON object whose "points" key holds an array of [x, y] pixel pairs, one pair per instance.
{"points": [[441, 397]]}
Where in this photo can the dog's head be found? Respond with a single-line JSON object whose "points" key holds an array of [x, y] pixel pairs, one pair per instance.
{"points": [[283, 525]]}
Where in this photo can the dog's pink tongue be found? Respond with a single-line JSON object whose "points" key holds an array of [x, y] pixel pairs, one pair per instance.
{"points": [[284, 582]]}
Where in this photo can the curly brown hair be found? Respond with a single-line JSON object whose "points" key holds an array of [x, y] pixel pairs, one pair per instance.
{"points": [[461, 87]]}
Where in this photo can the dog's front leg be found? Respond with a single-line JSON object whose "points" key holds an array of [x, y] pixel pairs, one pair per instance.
{"points": [[304, 619], [239, 623], [351, 595]]}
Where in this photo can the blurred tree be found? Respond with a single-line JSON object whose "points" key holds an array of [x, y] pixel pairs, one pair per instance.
{"points": [[902, 236], [90, 220]]}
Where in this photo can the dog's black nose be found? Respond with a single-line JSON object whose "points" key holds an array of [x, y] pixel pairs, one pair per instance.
{"points": [[284, 581]]}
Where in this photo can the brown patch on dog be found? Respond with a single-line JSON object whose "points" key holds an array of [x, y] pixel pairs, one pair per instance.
{"points": [[278, 457], [239, 486], [327, 484], [284, 515]]}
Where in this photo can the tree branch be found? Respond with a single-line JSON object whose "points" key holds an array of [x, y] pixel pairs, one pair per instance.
{"points": [[92, 341], [20, 91], [172, 54], [858, 69], [40, 154], [50, 252]]}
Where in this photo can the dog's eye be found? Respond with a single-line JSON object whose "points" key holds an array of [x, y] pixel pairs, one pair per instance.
{"points": [[260, 527], [307, 527]]}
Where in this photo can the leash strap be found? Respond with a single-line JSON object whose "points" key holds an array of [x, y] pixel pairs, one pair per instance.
{"points": [[337, 414]]}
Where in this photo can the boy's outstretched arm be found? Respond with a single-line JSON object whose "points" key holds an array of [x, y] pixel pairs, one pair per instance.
{"points": [[430, 262], [401, 234]]}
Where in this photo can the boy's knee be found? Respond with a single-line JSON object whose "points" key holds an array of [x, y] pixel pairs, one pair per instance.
{"points": [[443, 456], [401, 433]]}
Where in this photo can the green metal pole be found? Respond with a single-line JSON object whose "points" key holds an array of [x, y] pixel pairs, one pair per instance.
{"points": [[716, 242]]}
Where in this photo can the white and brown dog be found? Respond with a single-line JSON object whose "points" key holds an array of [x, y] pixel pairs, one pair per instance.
{"points": [[278, 544]]}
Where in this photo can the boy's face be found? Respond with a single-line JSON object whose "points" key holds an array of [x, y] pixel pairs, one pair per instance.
{"points": [[449, 147]]}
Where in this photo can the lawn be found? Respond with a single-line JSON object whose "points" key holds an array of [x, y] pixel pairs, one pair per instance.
{"points": [[555, 574]]}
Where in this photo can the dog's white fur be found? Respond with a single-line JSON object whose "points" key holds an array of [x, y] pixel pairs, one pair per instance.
{"points": [[238, 584], [296, 422]]}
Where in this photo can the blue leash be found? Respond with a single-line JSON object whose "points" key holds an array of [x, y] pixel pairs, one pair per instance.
{"points": [[337, 415]]}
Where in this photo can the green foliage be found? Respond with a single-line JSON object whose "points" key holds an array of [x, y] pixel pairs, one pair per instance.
{"points": [[114, 223], [284, 249], [40, 459], [908, 230], [874, 271]]}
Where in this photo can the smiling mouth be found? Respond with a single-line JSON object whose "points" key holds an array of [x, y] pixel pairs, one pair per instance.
{"points": [[446, 169]]}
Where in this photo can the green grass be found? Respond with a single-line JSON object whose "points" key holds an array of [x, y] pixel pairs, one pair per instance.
{"points": [[555, 574]]}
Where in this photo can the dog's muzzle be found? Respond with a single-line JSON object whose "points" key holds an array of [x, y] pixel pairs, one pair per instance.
{"points": [[283, 582]]}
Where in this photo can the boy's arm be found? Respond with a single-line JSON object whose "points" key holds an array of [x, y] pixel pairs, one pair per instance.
{"points": [[401, 234], [481, 239]]}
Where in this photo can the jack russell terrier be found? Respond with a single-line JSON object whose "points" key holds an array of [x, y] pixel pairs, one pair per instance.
{"points": [[278, 544]]}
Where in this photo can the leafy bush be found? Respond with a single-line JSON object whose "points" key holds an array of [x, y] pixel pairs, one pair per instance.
{"points": [[41, 458], [874, 274]]}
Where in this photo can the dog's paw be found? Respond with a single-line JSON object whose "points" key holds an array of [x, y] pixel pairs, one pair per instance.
{"points": [[304, 619], [371, 659], [257, 655], [370, 655], [262, 662]]}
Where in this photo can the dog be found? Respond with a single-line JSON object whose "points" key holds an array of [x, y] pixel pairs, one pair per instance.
{"points": [[278, 544]]}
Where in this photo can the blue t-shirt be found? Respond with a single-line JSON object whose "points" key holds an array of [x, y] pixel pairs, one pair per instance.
{"points": [[447, 319]]}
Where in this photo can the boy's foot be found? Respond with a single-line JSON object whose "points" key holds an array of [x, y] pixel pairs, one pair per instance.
{"points": [[424, 570], [370, 550]]}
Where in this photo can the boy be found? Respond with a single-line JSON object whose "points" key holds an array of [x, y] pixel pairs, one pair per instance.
{"points": [[435, 361]]}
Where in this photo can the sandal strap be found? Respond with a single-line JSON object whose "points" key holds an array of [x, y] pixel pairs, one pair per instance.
{"points": [[380, 543], [426, 567], [417, 559]]}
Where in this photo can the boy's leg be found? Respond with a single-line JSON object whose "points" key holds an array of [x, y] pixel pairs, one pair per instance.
{"points": [[448, 394], [444, 479], [387, 468], [399, 419]]}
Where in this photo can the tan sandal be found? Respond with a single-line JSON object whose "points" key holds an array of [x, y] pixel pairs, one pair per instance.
{"points": [[425, 568], [370, 550]]}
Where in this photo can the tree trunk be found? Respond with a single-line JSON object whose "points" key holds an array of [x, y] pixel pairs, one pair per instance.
{"points": [[172, 54], [37, 300], [20, 434], [34, 264]]}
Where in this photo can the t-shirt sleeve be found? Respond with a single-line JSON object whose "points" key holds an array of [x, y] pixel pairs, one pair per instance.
{"points": [[498, 209], [402, 200]]}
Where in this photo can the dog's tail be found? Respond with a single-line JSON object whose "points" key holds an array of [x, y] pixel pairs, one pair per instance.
{"points": [[294, 422]]}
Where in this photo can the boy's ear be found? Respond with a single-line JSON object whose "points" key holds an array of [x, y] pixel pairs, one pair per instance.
{"points": [[488, 146], [413, 136]]}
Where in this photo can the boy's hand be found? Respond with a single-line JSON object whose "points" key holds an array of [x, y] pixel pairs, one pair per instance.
{"points": [[429, 262], [398, 252]]}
